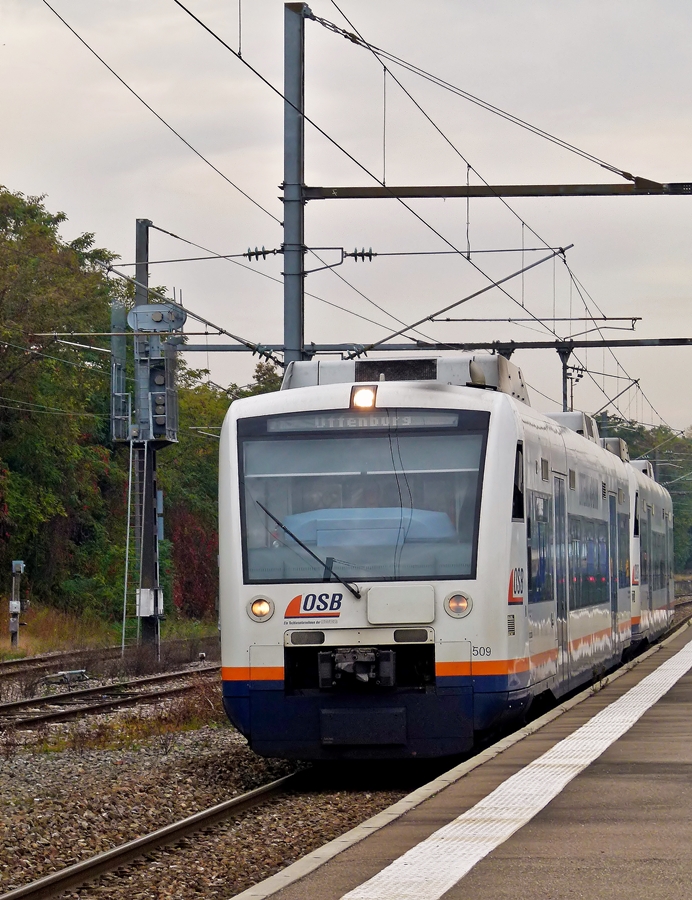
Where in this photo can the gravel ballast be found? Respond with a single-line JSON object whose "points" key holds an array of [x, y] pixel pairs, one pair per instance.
{"points": [[62, 807]]}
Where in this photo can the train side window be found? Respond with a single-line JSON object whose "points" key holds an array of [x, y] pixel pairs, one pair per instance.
{"points": [[540, 548], [636, 515], [545, 471], [518, 493], [572, 480], [623, 550]]}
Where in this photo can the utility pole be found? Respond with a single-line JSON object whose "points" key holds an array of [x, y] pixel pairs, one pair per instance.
{"points": [[149, 606], [294, 167]]}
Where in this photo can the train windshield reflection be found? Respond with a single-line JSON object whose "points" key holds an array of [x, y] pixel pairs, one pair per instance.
{"points": [[382, 504]]}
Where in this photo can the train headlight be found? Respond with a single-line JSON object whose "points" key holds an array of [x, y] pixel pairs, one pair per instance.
{"points": [[363, 397], [260, 609], [458, 605]]}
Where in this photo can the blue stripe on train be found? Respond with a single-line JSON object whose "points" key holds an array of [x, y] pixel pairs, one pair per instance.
{"points": [[435, 723]]}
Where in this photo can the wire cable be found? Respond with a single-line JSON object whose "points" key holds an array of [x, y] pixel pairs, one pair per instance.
{"points": [[339, 147], [272, 278], [440, 82], [159, 117], [469, 167], [51, 412], [360, 40], [369, 300]]}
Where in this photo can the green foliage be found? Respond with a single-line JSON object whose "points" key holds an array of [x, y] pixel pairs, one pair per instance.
{"points": [[671, 456], [63, 484], [60, 491]]}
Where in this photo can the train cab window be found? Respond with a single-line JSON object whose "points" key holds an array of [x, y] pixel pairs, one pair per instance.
{"points": [[382, 496], [518, 493]]}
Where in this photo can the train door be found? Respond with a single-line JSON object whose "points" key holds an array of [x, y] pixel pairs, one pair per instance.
{"points": [[560, 518], [613, 568]]}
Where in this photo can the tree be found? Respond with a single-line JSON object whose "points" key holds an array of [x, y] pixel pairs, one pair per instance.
{"points": [[61, 500], [671, 456]]}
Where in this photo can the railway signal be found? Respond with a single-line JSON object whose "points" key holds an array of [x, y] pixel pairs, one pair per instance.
{"points": [[151, 425]]}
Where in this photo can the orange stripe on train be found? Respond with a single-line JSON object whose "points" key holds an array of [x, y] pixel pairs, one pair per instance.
{"points": [[256, 673]]}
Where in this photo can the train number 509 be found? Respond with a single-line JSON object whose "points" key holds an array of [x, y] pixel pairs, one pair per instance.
{"points": [[481, 651]]}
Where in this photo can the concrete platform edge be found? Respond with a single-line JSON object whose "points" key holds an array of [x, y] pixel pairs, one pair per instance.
{"points": [[319, 857]]}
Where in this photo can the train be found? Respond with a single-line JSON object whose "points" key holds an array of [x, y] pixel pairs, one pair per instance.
{"points": [[411, 556]]}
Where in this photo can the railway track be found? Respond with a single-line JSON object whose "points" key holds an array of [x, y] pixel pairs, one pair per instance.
{"points": [[52, 662], [48, 663], [73, 705], [81, 872]]}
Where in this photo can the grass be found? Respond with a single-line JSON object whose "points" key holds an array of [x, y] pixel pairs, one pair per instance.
{"points": [[175, 627], [48, 629], [161, 725]]}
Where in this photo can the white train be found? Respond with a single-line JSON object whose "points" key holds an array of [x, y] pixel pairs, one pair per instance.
{"points": [[410, 554]]}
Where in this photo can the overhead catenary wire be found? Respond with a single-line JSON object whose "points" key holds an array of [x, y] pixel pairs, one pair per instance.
{"points": [[52, 412], [339, 147], [469, 167], [159, 117], [365, 297], [581, 290], [358, 40], [458, 152], [456, 250], [251, 345], [524, 225], [213, 256], [465, 300], [272, 278]]}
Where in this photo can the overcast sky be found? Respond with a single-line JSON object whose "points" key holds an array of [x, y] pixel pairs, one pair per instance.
{"points": [[610, 77]]}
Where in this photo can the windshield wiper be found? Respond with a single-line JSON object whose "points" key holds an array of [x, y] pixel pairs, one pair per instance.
{"points": [[327, 566]]}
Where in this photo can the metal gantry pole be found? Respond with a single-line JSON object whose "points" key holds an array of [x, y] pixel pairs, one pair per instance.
{"points": [[564, 354], [294, 204]]}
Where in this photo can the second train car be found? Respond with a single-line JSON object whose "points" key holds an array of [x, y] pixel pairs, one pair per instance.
{"points": [[410, 555]]}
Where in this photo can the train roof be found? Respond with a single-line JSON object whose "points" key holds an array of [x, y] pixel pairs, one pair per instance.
{"points": [[465, 369]]}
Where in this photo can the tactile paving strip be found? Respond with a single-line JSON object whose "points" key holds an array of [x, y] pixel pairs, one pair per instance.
{"points": [[431, 868]]}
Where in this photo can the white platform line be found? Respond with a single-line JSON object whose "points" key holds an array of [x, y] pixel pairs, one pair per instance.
{"points": [[432, 867]]}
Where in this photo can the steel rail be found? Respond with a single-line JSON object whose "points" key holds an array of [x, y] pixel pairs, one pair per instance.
{"points": [[68, 696], [81, 872], [12, 667], [63, 715]]}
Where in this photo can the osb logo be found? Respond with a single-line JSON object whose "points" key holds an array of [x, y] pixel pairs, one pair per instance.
{"points": [[312, 606]]}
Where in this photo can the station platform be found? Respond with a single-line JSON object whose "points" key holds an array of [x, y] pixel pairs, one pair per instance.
{"points": [[592, 799]]}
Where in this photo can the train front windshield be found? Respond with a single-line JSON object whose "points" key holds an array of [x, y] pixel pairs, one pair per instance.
{"points": [[393, 495]]}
